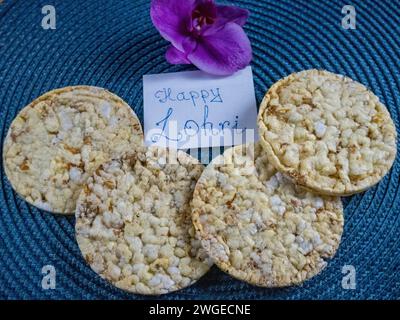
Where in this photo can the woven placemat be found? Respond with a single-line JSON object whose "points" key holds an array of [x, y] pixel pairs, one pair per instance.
{"points": [[112, 44]]}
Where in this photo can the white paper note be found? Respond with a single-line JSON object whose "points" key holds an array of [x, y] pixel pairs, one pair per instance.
{"points": [[196, 110]]}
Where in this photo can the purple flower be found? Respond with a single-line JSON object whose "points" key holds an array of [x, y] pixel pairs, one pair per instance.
{"points": [[209, 36]]}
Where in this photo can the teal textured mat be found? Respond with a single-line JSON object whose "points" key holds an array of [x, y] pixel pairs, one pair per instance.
{"points": [[112, 43]]}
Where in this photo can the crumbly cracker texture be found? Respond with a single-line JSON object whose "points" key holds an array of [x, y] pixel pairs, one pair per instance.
{"points": [[327, 132], [133, 222], [258, 226], [56, 142]]}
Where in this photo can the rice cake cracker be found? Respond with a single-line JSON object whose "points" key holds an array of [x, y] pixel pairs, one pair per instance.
{"points": [[57, 141], [327, 132], [133, 222], [258, 226]]}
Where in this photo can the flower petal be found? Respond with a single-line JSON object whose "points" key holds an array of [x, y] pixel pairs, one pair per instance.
{"points": [[202, 2], [223, 52], [174, 56], [206, 8], [227, 14], [173, 19]]}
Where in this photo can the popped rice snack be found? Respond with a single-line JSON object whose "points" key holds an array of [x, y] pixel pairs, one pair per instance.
{"points": [[327, 132], [57, 141], [133, 222], [258, 226]]}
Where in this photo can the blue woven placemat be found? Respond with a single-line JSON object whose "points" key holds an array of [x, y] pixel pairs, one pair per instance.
{"points": [[112, 43]]}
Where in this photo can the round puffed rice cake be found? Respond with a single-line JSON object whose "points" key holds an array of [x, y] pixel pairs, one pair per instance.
{"points": [[56, 142], [133, 222], [258, 226], [327, 132]]}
